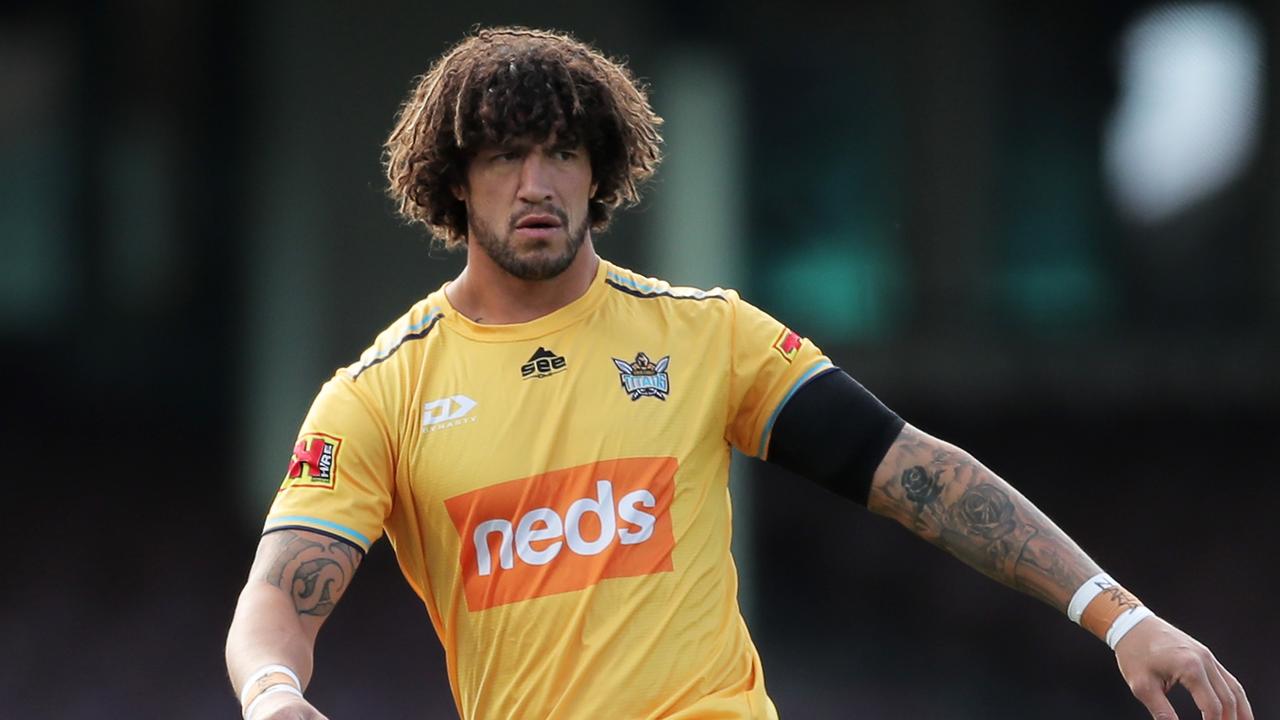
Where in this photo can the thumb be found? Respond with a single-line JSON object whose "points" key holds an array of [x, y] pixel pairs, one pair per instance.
{"points": [[1151, 695]]}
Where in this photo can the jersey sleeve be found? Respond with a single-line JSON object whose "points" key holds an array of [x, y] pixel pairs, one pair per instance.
{"points": [[340, 476], [769, 363]]}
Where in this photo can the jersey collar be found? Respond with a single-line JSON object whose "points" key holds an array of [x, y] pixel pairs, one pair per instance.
{"points": [[545, 325]]}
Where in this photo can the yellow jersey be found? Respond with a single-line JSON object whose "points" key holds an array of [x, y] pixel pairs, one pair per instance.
{"points": [[556, 492]]}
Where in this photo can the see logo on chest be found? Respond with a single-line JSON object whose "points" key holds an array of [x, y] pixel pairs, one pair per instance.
{"points": [[543, 363]]}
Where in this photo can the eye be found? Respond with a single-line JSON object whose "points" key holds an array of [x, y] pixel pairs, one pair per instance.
{"points": [[566, 154]]}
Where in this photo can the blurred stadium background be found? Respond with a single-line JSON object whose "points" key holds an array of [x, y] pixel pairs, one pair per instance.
{"points": [[1049, 232]]}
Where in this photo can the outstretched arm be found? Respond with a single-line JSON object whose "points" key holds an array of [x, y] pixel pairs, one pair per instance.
{"points": [[947, 497], [296, 580]]}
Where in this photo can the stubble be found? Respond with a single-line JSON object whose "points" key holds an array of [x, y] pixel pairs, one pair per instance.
{"points": [[528, 265]]}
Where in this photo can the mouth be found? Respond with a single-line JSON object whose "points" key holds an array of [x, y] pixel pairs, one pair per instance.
{"points": [[538, 221], [538, 227]]}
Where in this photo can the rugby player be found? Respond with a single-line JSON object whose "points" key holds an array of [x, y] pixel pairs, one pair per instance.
{"points": [[545, 440]]}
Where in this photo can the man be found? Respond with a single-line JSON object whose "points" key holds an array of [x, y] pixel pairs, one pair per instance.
{"points": [[546, 440]]}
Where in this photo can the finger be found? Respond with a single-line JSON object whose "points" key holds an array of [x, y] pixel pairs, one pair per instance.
{"points": [[1151, 694], [1196, 681], [1244, 711], [1221, 689]]}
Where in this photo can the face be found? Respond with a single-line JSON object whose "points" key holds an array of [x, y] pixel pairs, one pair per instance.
{"points": [[527, 205]]}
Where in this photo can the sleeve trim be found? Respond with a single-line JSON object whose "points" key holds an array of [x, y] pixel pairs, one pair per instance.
{"points": [[821, 366], [345, 541], [310, 523]]}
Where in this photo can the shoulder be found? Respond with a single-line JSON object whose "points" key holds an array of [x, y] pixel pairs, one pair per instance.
{"points": [[416, 324], [639, 286]]}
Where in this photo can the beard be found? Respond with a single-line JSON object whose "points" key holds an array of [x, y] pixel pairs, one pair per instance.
{"points": [[535, 264]]}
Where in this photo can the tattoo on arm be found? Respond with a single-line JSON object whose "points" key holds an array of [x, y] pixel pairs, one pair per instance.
{"points": [[948, 498], [314, 573]]}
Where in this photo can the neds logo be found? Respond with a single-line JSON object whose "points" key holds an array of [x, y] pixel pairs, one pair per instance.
{"points": [[546, 524], [565, 530]]}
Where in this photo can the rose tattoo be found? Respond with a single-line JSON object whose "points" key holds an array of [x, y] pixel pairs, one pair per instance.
{"points": [[921, 487], [986, 510]]}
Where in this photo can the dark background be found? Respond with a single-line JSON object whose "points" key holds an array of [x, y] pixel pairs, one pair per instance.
{"points": [[194, 234]]}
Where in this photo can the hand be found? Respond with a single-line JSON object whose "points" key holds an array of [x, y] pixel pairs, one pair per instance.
{"points": [[285, 706], [1155, 655]]}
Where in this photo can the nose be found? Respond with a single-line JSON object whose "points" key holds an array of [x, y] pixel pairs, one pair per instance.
{"points": [[535, 179]]}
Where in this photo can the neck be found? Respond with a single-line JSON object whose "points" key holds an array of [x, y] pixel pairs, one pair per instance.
{"points": [[486, 293]]}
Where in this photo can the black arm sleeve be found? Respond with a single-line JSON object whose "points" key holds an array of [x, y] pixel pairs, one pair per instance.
{"points": [[836, 433]]}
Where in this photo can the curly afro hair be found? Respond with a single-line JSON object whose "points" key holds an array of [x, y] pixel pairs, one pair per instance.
{"points": [[501, 84]]}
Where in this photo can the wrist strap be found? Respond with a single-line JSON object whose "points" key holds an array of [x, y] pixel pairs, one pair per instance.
{"points": [[1106, 609], [273, 669], [281, 688], [1127, 621], [1086, 593]]}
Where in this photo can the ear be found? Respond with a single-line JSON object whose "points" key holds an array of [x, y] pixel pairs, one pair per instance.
{"points": [[459, 192], [594, 186]]}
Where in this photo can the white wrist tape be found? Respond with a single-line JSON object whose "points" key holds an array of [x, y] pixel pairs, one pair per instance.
{"points": [[1086, 593], [264, 671], [281, 688], [1109, 623], [1126, 622]]}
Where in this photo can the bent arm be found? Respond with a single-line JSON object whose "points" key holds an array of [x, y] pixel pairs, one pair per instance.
{"points": [[296, 580], [947, 497], [836, 433], [944, 495]]}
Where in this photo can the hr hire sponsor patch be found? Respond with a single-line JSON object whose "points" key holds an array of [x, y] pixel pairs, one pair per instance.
{"points": [[788, 344], [314, 463]]}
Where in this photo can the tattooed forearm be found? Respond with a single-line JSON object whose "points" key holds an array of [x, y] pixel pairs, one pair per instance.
{"points": [[314, 572], [947, 497]]}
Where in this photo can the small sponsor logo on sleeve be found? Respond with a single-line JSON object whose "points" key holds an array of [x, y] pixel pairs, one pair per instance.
{"points": [[314, 463], [788, 344]]}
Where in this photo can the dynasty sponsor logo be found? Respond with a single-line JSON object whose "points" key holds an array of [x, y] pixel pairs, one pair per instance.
{"points": [[643, 377], [543, 363], [314, 462], [565, 530], [447, 413]]}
